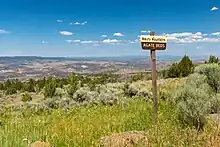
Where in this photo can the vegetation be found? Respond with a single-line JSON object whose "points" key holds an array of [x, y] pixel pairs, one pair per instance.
{"points": [[26, 97], [194, 101], [212, 59], [182, 69], [79, 110]]}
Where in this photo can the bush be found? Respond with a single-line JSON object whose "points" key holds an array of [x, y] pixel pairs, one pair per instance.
{"points": [[194, 101], [72, 88], [173, 71], [50, 89], [111, 93], [26, 97], [212, 71], [60, 92], [85, 95], [139, 88], [182, 69], [10, 91]]}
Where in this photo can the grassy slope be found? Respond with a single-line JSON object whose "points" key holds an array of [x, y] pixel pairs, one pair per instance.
{"points": [[85, 126]]}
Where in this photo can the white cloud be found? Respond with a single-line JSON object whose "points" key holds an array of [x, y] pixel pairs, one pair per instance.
{"points": [[44, 42], [144, 31], [73, 41], [4, 32], [104, 36], [78, 23], [193, 40], [209, 40], [66, 33], [132, 42], [118, 34], [88, 42], [216, 33], [184, 34], [59, 21], [84, 23], [111, 41], [76, 41], [214, 8], [198, 34], [68, 41], [188, 37]]}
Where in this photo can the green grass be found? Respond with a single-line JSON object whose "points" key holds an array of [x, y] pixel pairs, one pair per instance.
{"points": [[84, 126]]}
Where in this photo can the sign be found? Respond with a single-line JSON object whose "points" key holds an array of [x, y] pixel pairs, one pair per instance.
{"points": [[153, 46], [153, 42]]}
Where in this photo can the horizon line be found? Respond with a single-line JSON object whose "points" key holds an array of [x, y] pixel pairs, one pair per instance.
{"points": [[95, 56]]}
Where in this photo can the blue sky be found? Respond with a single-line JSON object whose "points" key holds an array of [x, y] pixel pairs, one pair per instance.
{"points": [[107, 28]]}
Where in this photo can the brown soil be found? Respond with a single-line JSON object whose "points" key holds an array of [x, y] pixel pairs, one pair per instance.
{"points": [[126, 139], [40, 144]]}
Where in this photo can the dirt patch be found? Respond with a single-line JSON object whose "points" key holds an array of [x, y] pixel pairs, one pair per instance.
{"points": [[40, 144], [126, 139]]}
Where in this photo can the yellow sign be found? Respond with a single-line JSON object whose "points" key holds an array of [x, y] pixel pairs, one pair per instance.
{"points": [[153, 39]]}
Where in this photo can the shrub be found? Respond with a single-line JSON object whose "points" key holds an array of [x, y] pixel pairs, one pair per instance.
{"points": [[84, 94], [41, 83], [72, 88], [50, 89], [194, 101], [111, 93], [139, 88], [60, 92], [173, 71], [26, 97], [212, 71], [31, 86], [11, 90]]}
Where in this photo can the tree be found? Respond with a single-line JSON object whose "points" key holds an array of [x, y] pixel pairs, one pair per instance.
{"points": [[50, 88], [41, 83], [173, 71], [2, 87], [30, 86], [73, 78], [213, 59], [182, 69], [185, 66], [18, 85]]}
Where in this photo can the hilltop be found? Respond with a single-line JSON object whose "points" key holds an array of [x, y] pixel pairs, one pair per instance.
{"points": [[82, 110]]}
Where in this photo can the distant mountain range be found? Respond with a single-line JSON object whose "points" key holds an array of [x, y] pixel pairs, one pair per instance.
{"points": [[119, 58]]}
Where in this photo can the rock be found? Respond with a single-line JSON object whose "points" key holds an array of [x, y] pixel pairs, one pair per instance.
{"points": [[126, 139], [40, 144]]}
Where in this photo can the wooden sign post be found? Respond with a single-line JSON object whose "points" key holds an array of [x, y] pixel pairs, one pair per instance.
{"points": [[153, 43]]}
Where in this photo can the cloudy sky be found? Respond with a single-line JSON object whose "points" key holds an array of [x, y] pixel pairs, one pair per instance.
{"points": [[107, 28]]}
